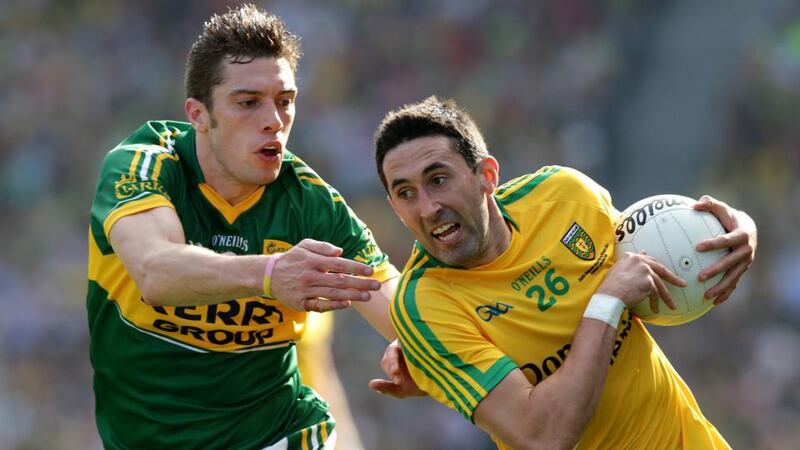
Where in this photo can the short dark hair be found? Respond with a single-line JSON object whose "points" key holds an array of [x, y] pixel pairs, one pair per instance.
{"points": [[430, 117], [239, 36]]}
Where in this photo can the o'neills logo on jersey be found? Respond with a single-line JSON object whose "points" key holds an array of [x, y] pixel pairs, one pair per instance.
{"points": [[579, 242], [229, 241], [273, 246]]}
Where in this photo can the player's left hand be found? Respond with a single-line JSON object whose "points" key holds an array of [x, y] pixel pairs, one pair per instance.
{"points": [[741, 238], [394, 366]]}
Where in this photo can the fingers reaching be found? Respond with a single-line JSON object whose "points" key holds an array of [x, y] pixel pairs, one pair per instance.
{"points": [[324, 305], [638, 276], [344, 281], [653, 298], [736, 257], [719, 209], [312, 277], [319, 247], [663, 273], [727, 283], [386, 387], [741, 237]]}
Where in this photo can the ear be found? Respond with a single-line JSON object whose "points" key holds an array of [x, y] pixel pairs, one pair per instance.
{"points": [[197, 113], [489, 171], [391, 203]]}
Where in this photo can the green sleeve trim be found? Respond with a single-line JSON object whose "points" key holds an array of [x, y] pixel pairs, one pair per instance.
{"points": [[468, 396], [497, 373], [410, 343]]}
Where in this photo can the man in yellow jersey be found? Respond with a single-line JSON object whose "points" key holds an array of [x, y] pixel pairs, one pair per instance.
{"points": [[503, 317]]}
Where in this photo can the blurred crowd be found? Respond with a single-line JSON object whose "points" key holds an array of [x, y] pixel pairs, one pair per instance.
{"points": [[548, 82]]}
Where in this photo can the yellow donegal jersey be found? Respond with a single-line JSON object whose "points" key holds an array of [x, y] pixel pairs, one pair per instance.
{"points": [[463, 331]]}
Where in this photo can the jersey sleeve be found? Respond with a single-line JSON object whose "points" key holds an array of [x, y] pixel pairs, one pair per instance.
{"points": [[133, 178], [333, 221], [447, 355], [562, 184], [579, 185]]}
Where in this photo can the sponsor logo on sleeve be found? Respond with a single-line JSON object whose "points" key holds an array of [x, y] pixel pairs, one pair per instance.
{"points": [[274, 246], [128, 185], [367, 253]]}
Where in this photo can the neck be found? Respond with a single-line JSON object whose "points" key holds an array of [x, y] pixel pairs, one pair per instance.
{"points": [[498, 235], [499, 230], [229, 188]]}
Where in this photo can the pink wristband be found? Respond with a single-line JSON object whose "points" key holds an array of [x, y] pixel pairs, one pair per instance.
{"points": [[267, 283]]}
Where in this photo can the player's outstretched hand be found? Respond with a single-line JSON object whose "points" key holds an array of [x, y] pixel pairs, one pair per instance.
{"points": [[636, 276], [312, 277], [741, 238], [394, 366]]}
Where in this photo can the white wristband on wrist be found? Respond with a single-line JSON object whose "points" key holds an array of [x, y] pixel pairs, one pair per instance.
{"points": [[606, 308]]}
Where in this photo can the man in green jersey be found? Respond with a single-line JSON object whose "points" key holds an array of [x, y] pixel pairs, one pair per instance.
{"points": [[502, 318], [208, 243]]}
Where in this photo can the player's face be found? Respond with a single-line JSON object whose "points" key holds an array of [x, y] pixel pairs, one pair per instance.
{"points": [[441, 200], [252, 115]]}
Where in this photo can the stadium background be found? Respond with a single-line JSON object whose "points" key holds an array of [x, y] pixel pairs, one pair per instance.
{"points": [[645, 96]]}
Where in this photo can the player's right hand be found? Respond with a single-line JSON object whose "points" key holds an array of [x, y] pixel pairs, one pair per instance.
{"points": [[636, 276], [312, 277]]}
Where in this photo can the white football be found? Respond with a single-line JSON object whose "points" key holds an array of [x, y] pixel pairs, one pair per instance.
{"points": [[668, 229]]}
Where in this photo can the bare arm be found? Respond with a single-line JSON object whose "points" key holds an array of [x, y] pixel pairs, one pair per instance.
{"points": [[151, 245], [376, 311], [554, 413]]}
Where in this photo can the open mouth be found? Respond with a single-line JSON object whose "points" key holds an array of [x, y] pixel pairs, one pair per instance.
{"points": [[446, 232], [270, 152]]}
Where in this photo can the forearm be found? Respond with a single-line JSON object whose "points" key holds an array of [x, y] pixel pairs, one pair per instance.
{"points": [[554, 413], [168, 272], [566, 400], [182, 275], [376, 311]]}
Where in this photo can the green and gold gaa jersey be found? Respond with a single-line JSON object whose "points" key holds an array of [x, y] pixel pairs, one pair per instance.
{"points": [[217, 376], [463, 331]]}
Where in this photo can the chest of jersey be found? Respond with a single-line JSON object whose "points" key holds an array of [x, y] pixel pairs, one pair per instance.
{"points": [[235, 324], [529, 301]]}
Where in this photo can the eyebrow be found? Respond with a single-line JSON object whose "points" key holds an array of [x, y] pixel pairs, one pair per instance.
{"points": [[430, 168], [236, 92]]}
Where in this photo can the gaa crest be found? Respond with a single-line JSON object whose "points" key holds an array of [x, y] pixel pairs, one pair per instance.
{"points": [[578, 241]]}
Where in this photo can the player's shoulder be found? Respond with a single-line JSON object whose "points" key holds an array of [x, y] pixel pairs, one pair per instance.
{"points": [[148, 160], [548, 184], [159, 136], [422, 277], [153, 138], [299, 173]]}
